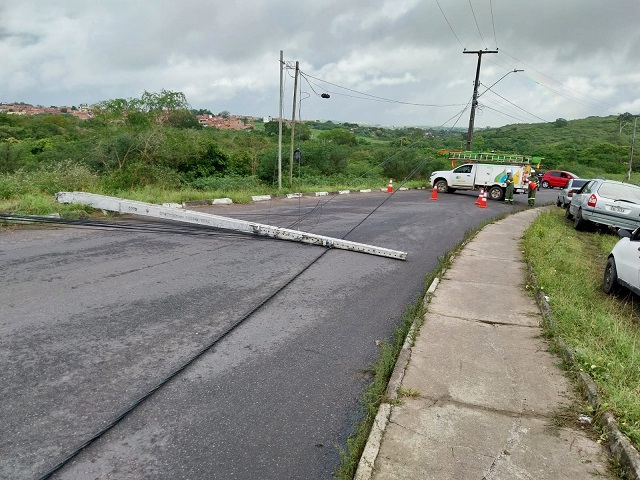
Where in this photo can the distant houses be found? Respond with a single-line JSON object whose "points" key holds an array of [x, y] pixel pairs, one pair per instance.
{"points": [[85, 112], [225, 123]]}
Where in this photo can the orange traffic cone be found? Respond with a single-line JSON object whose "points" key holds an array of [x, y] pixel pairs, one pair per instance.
{"points": [[390, 186], [483, 200], [434, 193], [479, 200]]}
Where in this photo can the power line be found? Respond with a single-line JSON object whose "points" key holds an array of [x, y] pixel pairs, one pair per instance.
{"points": [[450, 27], [520, 108], [493, 24], [370, 96], [477, 26], [555, 81]]}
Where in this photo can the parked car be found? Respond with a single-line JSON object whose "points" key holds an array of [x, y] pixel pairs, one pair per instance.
{"points": [[572, 186], [556, 178], [623, 264], [605, 202]]}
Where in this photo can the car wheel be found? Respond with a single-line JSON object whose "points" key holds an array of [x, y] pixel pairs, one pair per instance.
{"points": [[610, 284], [442, 186], [496, 193], [579, 223], [567, 214], [558, 202], [545, 184]]}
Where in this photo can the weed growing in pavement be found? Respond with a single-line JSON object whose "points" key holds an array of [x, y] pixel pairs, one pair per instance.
{"points": [[408, 392], [603, 331]]}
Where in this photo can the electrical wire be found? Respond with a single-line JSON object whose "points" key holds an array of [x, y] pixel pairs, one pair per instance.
{"points": [[495, 38], [604, 106], [306, 76], [509, 101], [450, 27], [477, 26], [190, 361]]}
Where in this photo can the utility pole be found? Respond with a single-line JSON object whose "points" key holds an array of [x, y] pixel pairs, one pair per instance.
{"points": [[474, 101], [280, 114], [633, 141], [293, 122]]}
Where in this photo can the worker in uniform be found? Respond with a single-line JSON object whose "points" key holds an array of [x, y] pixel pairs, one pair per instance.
{"points": [[533, 188], [508, 194]]}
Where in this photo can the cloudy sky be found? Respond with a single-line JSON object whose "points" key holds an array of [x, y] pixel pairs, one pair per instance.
{"points": [[387, 62]]}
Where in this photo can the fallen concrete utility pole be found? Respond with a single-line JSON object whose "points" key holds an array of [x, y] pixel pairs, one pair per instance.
{"points": [[114, 204]]}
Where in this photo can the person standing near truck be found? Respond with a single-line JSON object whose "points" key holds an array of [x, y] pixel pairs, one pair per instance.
{"points": [[533, 188], [508, 194]]}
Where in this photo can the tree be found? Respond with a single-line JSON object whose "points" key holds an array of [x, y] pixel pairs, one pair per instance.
{"points": [[224, 114], [182, 119], [163, 100], [339, 136], [560, 122], [272, 129], [623, 119]]}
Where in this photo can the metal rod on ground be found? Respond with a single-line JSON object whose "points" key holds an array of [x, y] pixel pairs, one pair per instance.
{"points": [[120, 205]]}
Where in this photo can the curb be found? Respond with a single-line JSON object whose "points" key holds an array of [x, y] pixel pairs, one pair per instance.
{"points": [[620, 447], [263, 198], [372, 447]]}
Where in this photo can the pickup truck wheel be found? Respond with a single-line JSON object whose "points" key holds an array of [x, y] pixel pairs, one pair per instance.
{"points": [[496, 193], [610, 284], [442, 186]]}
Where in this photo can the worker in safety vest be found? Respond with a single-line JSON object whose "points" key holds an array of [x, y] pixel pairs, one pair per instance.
{"points": [[533, 188], [508, 194]]}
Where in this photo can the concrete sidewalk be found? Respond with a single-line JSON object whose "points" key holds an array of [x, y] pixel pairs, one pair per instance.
{"points": [[482, 387]]}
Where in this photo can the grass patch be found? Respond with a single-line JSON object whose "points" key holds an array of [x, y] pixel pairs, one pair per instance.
{"points": [[603, 331]]}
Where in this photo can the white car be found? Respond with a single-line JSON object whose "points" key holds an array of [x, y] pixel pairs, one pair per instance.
{"points": [[623, 264]]}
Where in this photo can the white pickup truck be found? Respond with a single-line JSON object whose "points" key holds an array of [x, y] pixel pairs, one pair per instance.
{"points": [[473, 176]]}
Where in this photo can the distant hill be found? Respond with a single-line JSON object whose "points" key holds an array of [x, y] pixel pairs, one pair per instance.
{"points": [[586, 146]]}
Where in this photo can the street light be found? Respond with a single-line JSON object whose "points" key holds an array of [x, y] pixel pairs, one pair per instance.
{"points": [[512, 71], [474, 101]]}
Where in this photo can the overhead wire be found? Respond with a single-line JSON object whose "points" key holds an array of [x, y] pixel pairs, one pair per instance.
{"points": [[604, 106], [450, 27], [510, 102], [477, 26], [493, 24], [369, 96]]}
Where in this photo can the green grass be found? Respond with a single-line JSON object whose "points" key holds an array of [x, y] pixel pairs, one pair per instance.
{"points": [[603, 331], [34, 195]]}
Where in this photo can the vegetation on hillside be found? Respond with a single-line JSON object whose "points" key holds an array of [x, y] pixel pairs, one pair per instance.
{"points": [[155, 143]]}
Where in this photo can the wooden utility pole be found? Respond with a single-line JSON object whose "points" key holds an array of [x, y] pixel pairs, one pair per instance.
{"points": [[293, 123], [633, 141], [474, 101], [280, 114]]}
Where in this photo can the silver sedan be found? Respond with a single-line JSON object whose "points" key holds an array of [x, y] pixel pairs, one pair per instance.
{"points": [[572, 186], [606, 203]]}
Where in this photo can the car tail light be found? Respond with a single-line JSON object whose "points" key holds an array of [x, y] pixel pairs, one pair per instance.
{"points": [[570, 194], [592, 200]]}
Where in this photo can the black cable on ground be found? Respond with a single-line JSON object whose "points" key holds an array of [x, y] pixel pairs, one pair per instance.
{"points": [[173, 374]]}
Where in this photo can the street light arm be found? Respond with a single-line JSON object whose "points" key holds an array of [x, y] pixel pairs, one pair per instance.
{"points": [[489, 88]]}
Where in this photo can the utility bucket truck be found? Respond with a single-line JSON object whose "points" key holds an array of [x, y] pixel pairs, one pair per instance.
{"points": [[484, 170]]}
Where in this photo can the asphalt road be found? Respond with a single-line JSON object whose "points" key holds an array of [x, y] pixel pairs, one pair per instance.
{"points": [[94, 320]]}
